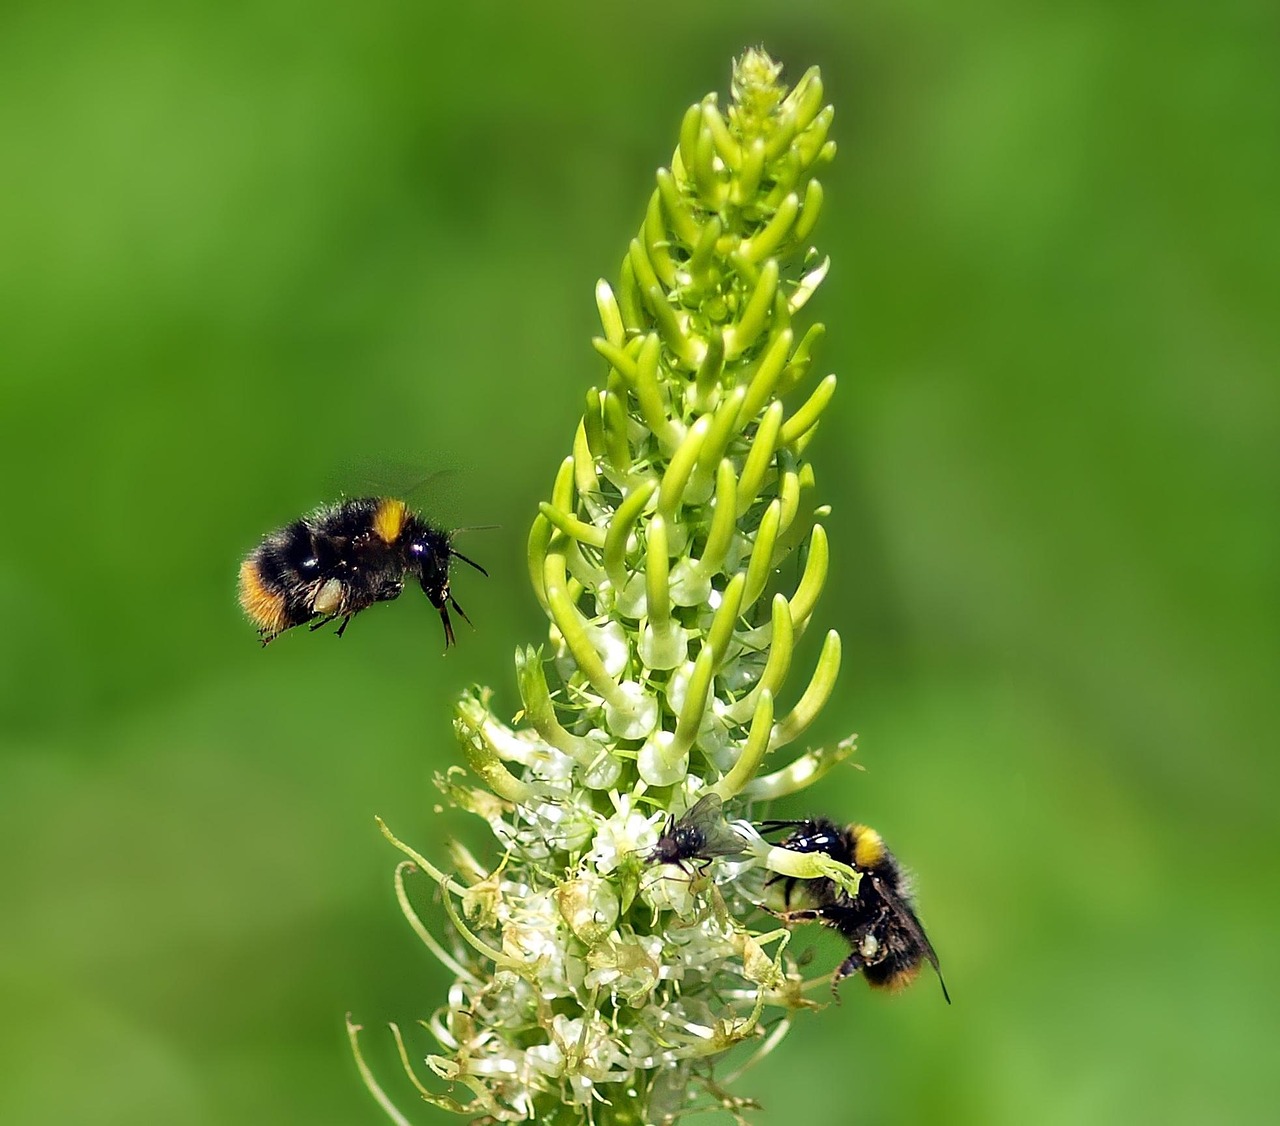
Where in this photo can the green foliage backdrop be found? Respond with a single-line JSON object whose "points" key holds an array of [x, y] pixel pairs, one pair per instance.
{"points": [[247, 247]]}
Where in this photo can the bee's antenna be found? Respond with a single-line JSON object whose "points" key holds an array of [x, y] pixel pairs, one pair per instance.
{"points": [[449, 639], [470, 563]]}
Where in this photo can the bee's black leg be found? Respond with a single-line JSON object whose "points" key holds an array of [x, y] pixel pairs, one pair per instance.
{"points": [[321, 622], [850, 966], [342, 628], [788, 886], [831, 915], [448, 628], [454, 603]]}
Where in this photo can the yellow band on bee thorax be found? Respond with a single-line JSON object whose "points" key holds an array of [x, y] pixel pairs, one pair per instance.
{"points": [[868, 848], [389, 519]]}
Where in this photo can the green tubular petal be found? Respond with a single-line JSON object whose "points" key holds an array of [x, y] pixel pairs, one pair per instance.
{"points": [[539, 540], [695, 702], [724, 520], [810, 866], [614, 414], [593, 425], [760, 458], [573, 527], [676, 478], [724, 426], [794, 534], [805, 98], [709, 372], [703, 168], [809, 212], [646, 279], [657, 593], [562, 495], [531, 679], [481, 757], [690, 127], [673, 327], [610, 314], [810, 141], [760, 565], [656, 243], [815, 696], [784, 132], [619, 359], [788, 496], [630, 303], [748, 181], [620, 528], [600, 769], [649, 394], [726, 147], [677, 211], [801, 773], [808, 414], [572, 628], [757, 745], [585, 479], [767, 240], [702, 262], [764, 381], [802, 443], [756, 313], [813, 579], [781, 646], [726, 617], [663, 643], [778, 664], [801, 359]]}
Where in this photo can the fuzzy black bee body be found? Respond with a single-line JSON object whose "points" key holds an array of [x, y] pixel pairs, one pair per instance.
{"points": [[343, 558], [887, 943]]}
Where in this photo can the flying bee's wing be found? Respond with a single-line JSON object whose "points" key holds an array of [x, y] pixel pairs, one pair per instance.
{"points": [[907, 917]]}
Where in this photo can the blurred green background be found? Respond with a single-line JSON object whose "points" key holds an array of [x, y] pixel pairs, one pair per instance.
{"points": [[245, 246]]}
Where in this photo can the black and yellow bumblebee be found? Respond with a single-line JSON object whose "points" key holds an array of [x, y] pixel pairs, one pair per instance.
{"points": [[888, 944], [341, 559]]}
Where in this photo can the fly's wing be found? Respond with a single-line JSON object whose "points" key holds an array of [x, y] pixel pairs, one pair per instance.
{"points": [[907, 918], [707, 816]]}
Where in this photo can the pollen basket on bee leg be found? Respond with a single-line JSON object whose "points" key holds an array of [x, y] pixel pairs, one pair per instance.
{"points": [[328, 598]]}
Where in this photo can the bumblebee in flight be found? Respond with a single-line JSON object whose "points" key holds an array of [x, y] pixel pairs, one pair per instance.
{"points": [[888, 944], [341, 559], [698, 836]]}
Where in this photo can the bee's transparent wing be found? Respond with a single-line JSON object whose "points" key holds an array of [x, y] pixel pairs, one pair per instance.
{"points": [[907, 918]]}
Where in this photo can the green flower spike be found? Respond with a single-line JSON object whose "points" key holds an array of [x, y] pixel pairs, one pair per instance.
{"points": [[679, 562]]}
